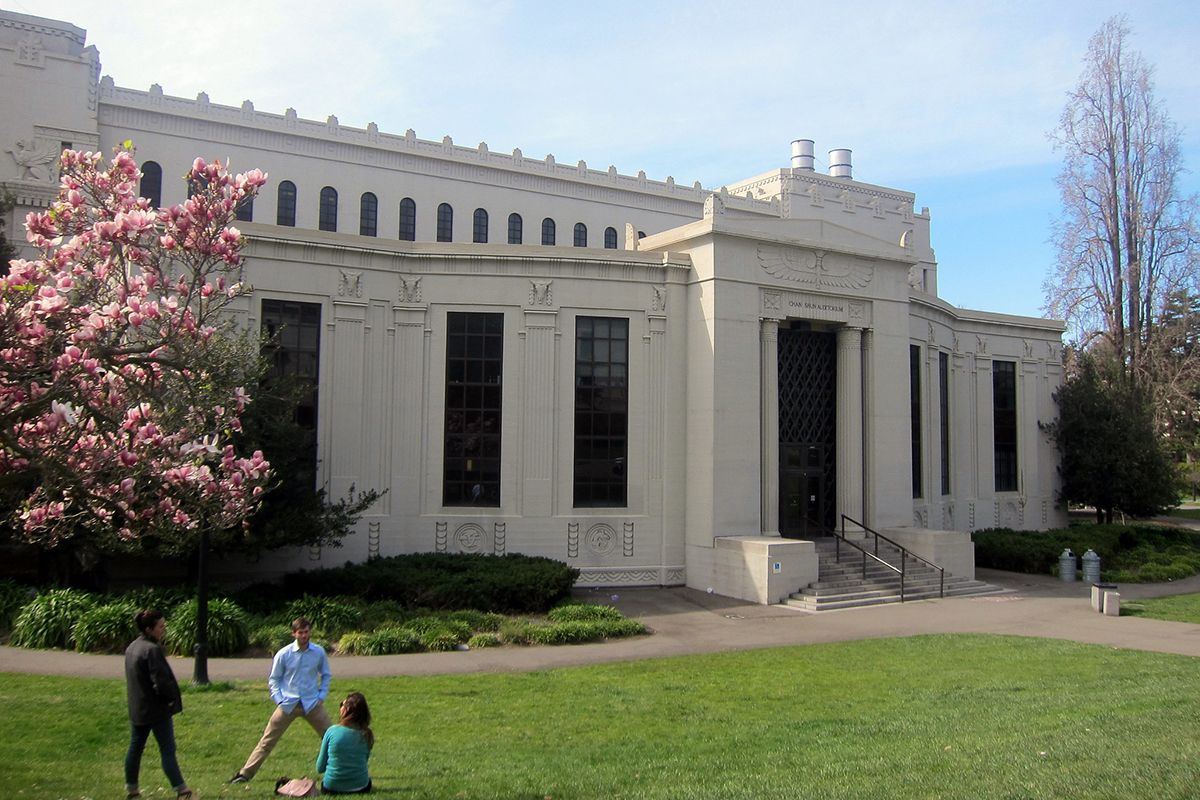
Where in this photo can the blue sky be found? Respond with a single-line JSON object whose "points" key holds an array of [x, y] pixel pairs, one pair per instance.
{"points": [[950, 100]]}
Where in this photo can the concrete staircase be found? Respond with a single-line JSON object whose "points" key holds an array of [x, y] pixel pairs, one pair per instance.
{"points": [[842, 585]]}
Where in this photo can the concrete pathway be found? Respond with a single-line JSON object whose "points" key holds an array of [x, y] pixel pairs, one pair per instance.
{"points": [[686, 621]]}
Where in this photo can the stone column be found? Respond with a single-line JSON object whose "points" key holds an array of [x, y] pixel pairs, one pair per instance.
{"points": [[538, 425], [769, 425], [849, 424], [868, 438]]}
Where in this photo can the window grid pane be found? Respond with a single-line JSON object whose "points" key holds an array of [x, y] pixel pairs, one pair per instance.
{"points": [[474, 371], [1004, 424], [514, 228], [151, 184], [368, 214], [294, 352], [944, 404], [610, 238], [914, 385], [445, 223], [580, 234], [244, 212], [548, 231], [601, 411], [329, 209], [480, 232], [285, 210], [408, 220]]}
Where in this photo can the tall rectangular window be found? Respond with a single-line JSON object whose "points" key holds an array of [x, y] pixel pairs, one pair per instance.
{"points": [[914, 406], [474, 372], [1004, 424], [944, 406], [601, 411], [294, 350]]}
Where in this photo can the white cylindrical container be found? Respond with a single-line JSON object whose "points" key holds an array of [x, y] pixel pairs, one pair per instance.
{"points": [[839, 163]]}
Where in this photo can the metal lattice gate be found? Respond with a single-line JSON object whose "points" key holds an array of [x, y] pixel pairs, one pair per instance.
{"points": [[807, 431]]}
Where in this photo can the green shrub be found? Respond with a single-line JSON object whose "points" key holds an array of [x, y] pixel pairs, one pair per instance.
{"points": [[441, 641], [226, 628], [270, 637], [12, 597], [438, 624], [48, 620], [581, 612], [478, 620], [389, 641], [481, 640], [108, 628], [515, 631], [353, 643], [581, 631], [331, 614], [163, 598], [383, 612], [1128, 553], [510, 583]]}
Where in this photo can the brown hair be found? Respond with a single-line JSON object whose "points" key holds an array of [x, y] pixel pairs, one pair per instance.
{"points": [[355, 714], [300, 622], [147, 618]]}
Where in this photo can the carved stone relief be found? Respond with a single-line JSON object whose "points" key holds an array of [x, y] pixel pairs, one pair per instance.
{"points": [[627, 541], [499, 537], [349, 283], [410, 289], [658, 299], [572, 540], [808, 268], [31, 51], [601, 539], [540, 293], [35, 160], [470, 538], [981, 344]]}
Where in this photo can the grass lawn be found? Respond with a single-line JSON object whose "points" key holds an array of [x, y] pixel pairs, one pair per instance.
{"points": [[1176, 608], [1185, 513], [926, 717]]}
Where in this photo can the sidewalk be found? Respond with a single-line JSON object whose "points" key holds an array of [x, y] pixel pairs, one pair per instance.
{"points": [[686, 621]]}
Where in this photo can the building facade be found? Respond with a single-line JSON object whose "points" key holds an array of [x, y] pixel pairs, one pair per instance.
{"points": [[657, 383]]}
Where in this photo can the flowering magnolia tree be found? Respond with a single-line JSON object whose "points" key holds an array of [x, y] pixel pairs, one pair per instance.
{"points": [[120, 378]]}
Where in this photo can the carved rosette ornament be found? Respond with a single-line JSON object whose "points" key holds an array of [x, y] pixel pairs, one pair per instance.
{"points": [[601, 539], [469, 538]]}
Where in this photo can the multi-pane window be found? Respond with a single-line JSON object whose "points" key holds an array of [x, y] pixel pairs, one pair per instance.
{"points": [[245, 210], [1004, 424], [474, 371], [408, 220], [548, 231], [368, 214], [479, 232], [610, 238], [445, 223], [293, 332], [285, 208], [151, 184], [914, 406], [327, 221], [580, 234], [944, 407], [601, 411], [514, 228]]}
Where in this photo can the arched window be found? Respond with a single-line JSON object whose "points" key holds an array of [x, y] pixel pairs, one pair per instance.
{"points": [[285, 209], [151, 185], [327, 220], [610, 238], [481, 224], [514, 228], [408, 220], [580, 234], [445, 223], [245, 210], [547, 231], [368, 213]]}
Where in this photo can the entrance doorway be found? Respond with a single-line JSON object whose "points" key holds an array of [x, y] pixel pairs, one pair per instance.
{"points": [[807, 431]]}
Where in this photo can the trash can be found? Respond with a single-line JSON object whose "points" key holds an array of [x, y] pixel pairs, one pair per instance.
{"points": [[1091, 566], [1066, 566], [1098, 590]]}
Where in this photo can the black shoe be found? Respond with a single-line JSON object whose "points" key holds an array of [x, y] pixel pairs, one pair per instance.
{"points": [[238, 777]]}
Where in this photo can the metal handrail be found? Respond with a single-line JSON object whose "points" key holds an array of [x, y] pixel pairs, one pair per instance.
{"points": [[838, 538], [904, 554]]}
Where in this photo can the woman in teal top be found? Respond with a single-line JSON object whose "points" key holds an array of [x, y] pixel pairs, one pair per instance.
{"points": [[346, 748]]}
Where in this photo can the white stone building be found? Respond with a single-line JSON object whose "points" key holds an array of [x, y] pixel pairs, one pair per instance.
{"points": [[656, 383]]}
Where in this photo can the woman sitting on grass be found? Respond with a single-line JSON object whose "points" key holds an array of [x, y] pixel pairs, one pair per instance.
{"points": [[346, 748]]}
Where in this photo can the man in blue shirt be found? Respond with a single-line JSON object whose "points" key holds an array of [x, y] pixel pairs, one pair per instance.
{"points": [[299, 683]]}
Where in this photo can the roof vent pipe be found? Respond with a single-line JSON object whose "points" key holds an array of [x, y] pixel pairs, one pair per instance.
{"points": [[802, 154], [839, 164]]}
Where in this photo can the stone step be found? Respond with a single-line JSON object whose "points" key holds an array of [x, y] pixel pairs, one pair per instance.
{"points": [[811, 603], [833, 587]]}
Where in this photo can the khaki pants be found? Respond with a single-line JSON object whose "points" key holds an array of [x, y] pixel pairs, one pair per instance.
{"points": [[279, 722]]}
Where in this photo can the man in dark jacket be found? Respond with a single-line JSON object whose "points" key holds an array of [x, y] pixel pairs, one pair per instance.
{"points": [[153, 699]]}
